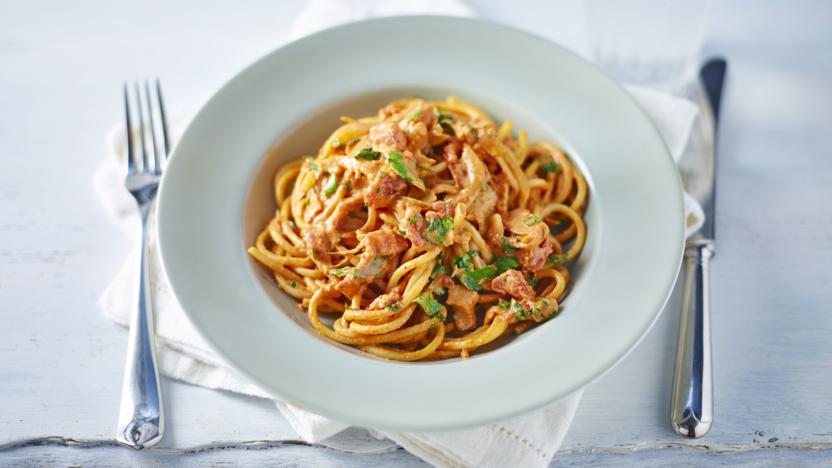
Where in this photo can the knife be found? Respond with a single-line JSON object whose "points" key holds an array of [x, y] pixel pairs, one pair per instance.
{"points": [[692, 403]]}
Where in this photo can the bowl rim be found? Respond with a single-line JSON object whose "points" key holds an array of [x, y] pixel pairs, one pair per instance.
{"points": [[166, 235]]}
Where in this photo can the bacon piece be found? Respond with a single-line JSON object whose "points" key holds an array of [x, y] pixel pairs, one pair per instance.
{"points": [[317, 244], [383, 243], [350, 286], [388, 135], [511, 282], [368, 269], [385, 300], [534, 259], [414, 226], [463, 302], [384, 190]]}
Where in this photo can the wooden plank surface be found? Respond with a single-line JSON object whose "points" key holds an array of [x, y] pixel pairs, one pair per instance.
{"points": [[61, 66]]}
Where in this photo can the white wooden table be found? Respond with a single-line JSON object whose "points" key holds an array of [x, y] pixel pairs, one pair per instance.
{"points": [[61, 67]]}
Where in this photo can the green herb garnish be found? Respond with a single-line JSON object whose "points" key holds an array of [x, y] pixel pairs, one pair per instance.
{"points": [[439, 267], [394, 306], [294, 284], [415, 115], [556, 259], [397, 162], [439, 228], [415, 218], [312, 164], [507, 247], [430, 305], [331, 185], [464, 261], [505, 263], [403, 233], [344, 271], [518, 310], [473, 279], [442, 116], [446, 127], [549, 165], [367, 154], [532, 220]]}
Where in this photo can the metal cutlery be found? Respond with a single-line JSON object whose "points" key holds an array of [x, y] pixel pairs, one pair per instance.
{"points": [[692, 399], [141, 421]]}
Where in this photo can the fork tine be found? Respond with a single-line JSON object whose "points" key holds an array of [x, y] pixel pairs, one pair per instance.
{"points": [[157, 164], [163, 119], [128, 129], [145, 161]]}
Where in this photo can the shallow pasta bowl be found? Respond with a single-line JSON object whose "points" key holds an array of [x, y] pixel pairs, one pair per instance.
{"points": [[216, 196]]}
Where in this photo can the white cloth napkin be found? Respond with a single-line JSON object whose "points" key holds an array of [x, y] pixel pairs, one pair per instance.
{"points": [[526, 440]]}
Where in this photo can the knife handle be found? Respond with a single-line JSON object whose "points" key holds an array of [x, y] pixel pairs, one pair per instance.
{"points": [[692, 403]]}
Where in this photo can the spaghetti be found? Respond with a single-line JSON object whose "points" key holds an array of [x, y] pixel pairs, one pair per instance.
{"points": [[426, 231]]}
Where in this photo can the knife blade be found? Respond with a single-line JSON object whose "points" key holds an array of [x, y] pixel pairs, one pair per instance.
{"points": [[691, 411], [712, 76]]}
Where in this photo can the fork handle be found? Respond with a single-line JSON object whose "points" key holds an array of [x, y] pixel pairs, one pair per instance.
{"points": [[141, 420], [692, 399]]}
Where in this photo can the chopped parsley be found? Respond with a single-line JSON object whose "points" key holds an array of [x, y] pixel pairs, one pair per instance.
{"points": [[415, 114], [294, 284], [430, 305], [464, 261], [503, 304], [439, 228], [549, 166], [344, 271], [312, 164], [331, 185], [532, 220], [507, 247], [395, 306], [531, 280], [505, 263], [439, 267], [442, 117], [415, 218], [473, 279], [446, 127], [403, 233], [556, 259], [368, 154], [518, 311], [397, 162]]}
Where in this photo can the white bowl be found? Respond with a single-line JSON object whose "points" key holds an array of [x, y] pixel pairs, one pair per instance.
{"points": [[216, 195]]}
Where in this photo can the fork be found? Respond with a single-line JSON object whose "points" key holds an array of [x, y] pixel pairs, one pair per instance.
{"points": [[141, 421]]}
